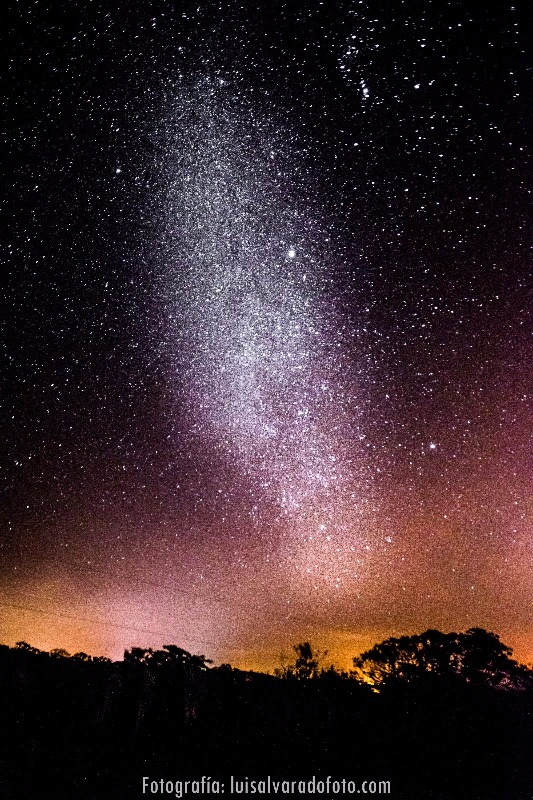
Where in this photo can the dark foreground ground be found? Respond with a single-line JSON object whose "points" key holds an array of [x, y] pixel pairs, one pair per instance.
{"points": [[84, 730]]}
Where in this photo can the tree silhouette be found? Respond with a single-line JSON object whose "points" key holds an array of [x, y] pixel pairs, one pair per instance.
{"points": [[475, 657], [28, 648], [306, 665], [170, 655], [452, 709], [59, 652], [178, 655], [485, 659]]}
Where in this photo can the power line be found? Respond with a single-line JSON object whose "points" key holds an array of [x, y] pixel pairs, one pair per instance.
{"points": [[29, 595], [46, 597], [186, 592], [98, 622], [78, 565]]}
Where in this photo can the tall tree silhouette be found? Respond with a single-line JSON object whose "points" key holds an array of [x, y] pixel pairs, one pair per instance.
{"points": [[306, 665], [475, 657]]}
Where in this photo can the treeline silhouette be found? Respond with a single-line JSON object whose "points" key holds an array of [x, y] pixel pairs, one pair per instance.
{"points": [[444, 716]]}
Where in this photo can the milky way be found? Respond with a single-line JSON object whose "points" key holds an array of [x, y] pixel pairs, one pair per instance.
{"points": [[241, 288], [255, 345]]}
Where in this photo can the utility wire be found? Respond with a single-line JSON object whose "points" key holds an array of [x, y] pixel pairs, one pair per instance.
{"points": [[153, 584], [173, 590], [98, 622]]}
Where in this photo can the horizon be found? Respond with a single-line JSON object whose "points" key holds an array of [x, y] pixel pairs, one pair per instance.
{"points": [[267, 664]]}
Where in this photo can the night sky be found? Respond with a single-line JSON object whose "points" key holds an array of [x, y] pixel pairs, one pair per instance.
{"points": [[266, 325]]}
